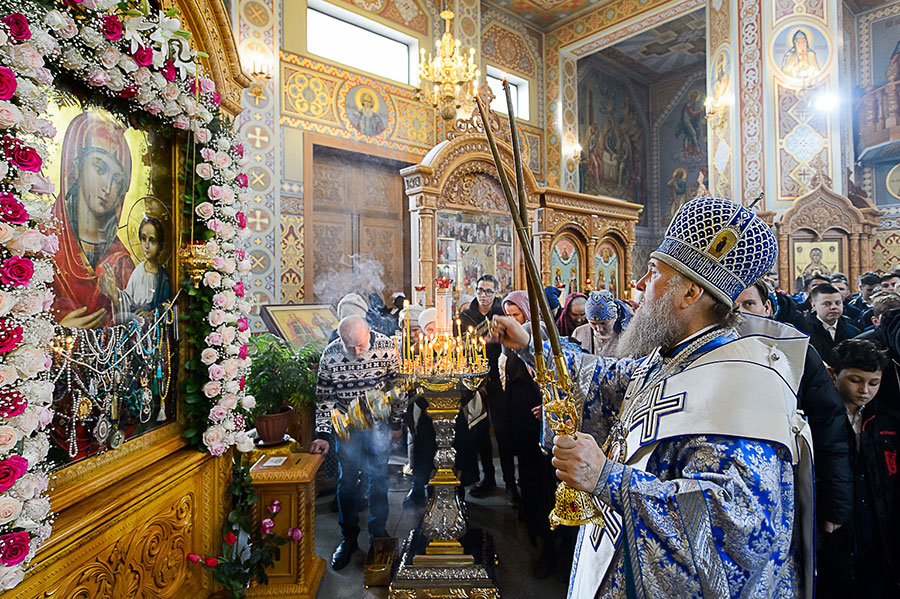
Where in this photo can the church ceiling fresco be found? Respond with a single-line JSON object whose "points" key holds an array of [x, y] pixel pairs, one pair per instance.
{"points": [[672, 47], [546, 13]]}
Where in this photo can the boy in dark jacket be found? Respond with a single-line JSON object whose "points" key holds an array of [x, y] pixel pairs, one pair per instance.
{"points": [[861, 560], [825, 324]]}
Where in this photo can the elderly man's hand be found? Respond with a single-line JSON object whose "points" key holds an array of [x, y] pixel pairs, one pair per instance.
{"points": [[320, 446], [578, 462], [509, 332]]}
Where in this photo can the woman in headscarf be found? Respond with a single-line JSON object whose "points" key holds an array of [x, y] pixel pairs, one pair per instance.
{"points": [[95, 173], [536, 475], [607, 317], [572, 315]]}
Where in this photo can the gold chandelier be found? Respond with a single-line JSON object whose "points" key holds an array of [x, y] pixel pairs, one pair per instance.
{"points": [[448, 79]]}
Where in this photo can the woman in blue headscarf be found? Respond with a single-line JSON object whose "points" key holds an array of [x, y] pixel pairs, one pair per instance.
{"points": [[607, 318]]}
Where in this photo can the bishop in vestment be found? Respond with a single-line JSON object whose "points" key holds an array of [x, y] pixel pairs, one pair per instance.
{"points": [[695, 452]]}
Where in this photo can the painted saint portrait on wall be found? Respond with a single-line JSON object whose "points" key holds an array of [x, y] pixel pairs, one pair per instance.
{"points": [[722, 75], [367, 115], [801, 52], [104, 176]]}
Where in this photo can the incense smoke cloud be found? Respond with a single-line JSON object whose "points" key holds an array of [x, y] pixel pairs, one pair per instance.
{"points": [[357, 273]]}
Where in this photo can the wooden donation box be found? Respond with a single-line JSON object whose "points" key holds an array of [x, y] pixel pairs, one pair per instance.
{"points": [[291, 480]]}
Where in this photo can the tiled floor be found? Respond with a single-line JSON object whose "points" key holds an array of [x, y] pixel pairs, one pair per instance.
{"points": [[516, 554]]}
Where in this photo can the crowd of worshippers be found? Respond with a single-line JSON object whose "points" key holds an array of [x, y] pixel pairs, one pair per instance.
{"points": [[849, 393]]}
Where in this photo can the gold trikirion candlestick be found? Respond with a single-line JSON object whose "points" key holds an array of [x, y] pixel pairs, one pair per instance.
{"points": [[573, 507]]}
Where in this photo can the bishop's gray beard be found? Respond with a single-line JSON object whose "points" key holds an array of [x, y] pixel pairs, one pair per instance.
{"points": [[654, 325]]}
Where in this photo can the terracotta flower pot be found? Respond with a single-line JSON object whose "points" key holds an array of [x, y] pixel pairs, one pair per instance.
{"points": [[272, 427]]}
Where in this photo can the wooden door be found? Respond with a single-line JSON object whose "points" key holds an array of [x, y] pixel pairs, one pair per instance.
{"points": [[359, 209]]}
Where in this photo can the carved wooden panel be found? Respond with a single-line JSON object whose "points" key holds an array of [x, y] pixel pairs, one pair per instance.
{"points": [[383, 239], [332, 240], [132, 542]]}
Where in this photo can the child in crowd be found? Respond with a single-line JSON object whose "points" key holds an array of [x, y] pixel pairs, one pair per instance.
{"points": [[859, 560]]}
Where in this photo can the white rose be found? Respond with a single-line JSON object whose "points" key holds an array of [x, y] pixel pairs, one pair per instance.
{"points": [[8, 375], [157, 80], [44, 42], [223, 144], [10, 115], [232, 387], [248, 402], [27, 422], [37, 508], [127, 64], [10, 577], [208, 356], [28, 486], [54, 20], [243, 442], [212, 435], [116, 80], [35, 448], [73, 60], [91, 37]]}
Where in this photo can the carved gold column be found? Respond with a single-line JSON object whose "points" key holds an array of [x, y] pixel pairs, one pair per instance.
{"points": [[427, 242], [856, 261], [784, 275], [629, 272]]}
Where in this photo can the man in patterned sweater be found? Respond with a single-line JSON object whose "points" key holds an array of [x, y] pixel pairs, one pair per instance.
{"points": [[357, 361]]}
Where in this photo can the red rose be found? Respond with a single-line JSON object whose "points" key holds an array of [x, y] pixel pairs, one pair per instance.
{"points": [[24, 157], [11, 470], [7, 83], [168, 70], [12, 211], [128, 92], [211, 562], [274, 507], [112, 27], [241, 219], [16, 271], [143, 56], [10, 336], [17, 25], [230, 539], [239, 288], [238, 149], [14, 548], [242, 179], [216, 98], [12, 403], [193, 557]]}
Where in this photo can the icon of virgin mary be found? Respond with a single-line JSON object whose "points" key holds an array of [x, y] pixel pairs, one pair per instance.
{"points": [[95, 172]]}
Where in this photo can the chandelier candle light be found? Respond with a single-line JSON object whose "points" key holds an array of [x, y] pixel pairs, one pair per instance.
{"points": [[450, 74], [573, 507]]}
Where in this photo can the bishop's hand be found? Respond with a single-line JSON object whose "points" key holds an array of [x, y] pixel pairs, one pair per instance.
{"points": [[578, 462], [510, 333]]}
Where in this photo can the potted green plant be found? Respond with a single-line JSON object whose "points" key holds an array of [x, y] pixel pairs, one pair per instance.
{"points": [[281, 378]]}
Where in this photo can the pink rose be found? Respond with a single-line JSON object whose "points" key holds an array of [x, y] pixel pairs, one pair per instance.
{"points": [[222, 159], [243, 353], [10, 335], [17, 26], [45, 416], [8, 83], [241, 180], [29, 241], [216, 372], [239, 289], [214, 192], [143, 56], [112, 27], [10, 508], [14, 548], [227, 195], [27, 56], [217, 413], [216, 317], [154, 107], [6, 232], [8, 438], [10, 115], [168, 70], [243, 324], [42, 185], [11, 470], [266, 526], [212, 279], [109, 57], [97, 77], [204, 169], [16, 271], [50, 244], [214, 339], [218, 263], [12, 210], [202, 135], [227, 335], [212, 389], [274, 507], [181, 122], [205, 210], [215, 450], [22, 156], [207, 85], [30, 305], [226, 230], [231, 367], [229, 401], [208, 355], [218, 300], [207, 154], [294, 534]]}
